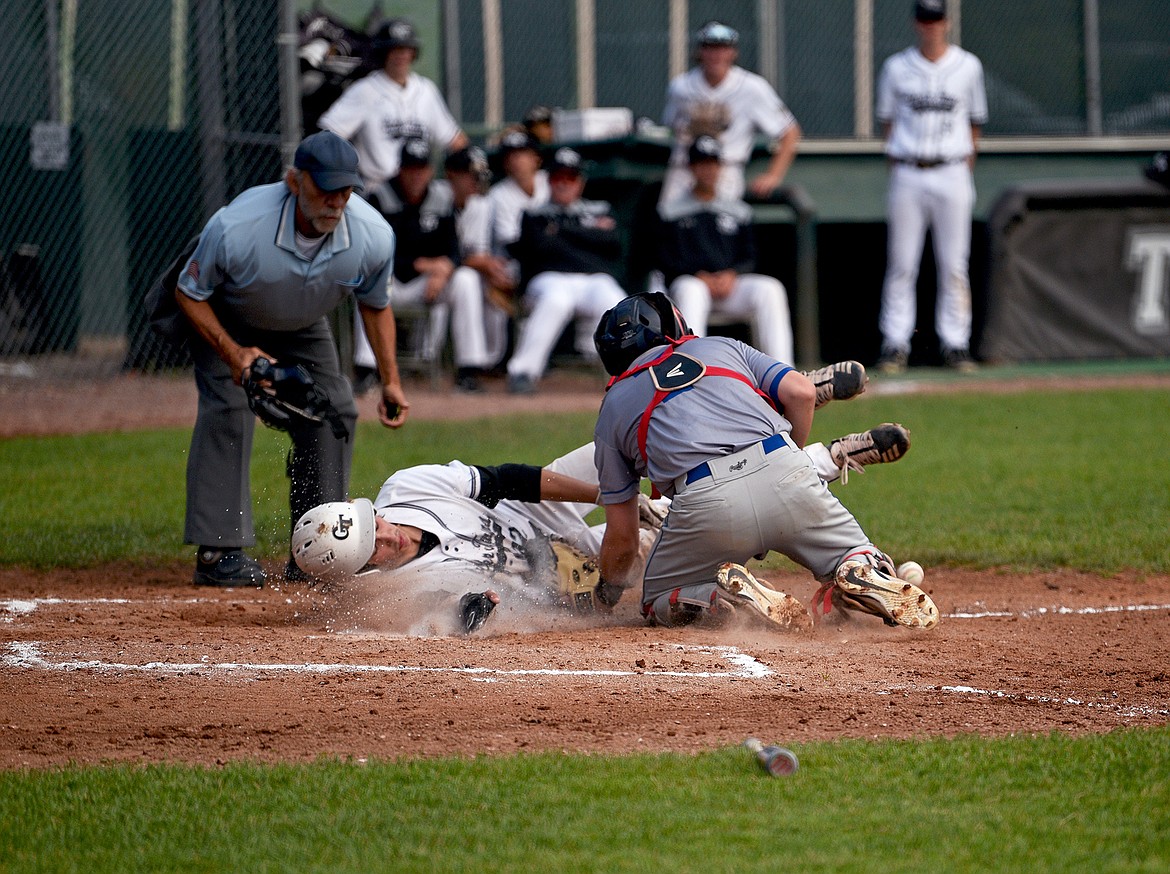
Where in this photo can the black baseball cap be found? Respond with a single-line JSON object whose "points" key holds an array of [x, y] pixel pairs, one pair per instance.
{"points": [[517, 140], [565, 160], [716, 33], [930, 10], [704, 148], [538, 114], [395, 33], [416, 152], [467, 160], [330, 160]]}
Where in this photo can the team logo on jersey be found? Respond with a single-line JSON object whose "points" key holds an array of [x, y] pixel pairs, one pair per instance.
{"points": [[726, 224], [932, 103], [428, 222], [193, 269], [402, 130]]}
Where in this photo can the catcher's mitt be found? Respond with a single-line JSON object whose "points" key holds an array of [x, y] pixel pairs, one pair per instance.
{"points": [[578, 579], [286, 398]]}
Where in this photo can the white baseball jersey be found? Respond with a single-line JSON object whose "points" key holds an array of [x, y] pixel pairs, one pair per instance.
{"points": [[508, 202], [473, 224], [733, 111], [931, 105], [478, 544], [376, 114]]}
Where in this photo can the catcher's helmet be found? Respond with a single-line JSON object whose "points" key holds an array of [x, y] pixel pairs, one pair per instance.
{"points": [[335, 540], [640, 322]]}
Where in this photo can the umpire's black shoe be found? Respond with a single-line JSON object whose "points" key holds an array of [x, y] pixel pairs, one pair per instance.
{"points": [[226, 568]]}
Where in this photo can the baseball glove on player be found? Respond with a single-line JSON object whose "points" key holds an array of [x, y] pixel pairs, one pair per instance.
{"points": [[286, 398]]}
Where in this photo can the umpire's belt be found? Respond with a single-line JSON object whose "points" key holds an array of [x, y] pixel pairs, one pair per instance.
{"points": [[731, 464]]}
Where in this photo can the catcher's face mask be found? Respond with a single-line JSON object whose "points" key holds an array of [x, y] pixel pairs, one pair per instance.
{"points": [[335, 540]]}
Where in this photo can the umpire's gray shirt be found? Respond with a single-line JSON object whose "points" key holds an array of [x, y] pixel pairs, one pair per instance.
{"points": [[248, 256], [716, 416]]}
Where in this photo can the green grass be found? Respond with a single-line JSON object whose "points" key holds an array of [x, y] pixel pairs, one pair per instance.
{"points": [[1045, 803], [1025, 481]]}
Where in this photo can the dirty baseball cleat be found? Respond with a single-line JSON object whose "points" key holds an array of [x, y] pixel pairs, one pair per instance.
{"points": [[227, 568], [893, 361], [858, 586], [778, 609], [838, 382], [881, 445]]}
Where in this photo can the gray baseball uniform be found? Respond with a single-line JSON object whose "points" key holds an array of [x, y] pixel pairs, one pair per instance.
{"points": [[740, 486], [269, 294]]}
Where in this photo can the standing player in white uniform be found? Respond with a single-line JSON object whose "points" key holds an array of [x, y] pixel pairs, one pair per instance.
{"points": [[731, 104], [931, 104], [378, 112]]}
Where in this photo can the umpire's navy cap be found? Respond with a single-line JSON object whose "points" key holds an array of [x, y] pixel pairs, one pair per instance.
{"points": [[716, 33], [416, 152], [704, 148], [330, 160], [930, 10]]}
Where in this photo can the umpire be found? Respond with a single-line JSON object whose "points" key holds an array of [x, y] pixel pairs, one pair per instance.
{"points": [[268, 269]]}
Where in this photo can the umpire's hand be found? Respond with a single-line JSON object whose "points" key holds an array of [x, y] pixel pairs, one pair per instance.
{"points": [[393, 406]]}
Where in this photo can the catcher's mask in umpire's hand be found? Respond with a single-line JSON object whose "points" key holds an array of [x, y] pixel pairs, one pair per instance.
{"points": [[640, 322], [335, 540]]}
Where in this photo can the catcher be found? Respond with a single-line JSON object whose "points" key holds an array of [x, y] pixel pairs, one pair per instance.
{"points": [[461, 535]]}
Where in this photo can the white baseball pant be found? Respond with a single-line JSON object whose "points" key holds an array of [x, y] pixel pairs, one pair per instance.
{"points": [[460, 301], [758, 299], [555, 299], [941, 199]]}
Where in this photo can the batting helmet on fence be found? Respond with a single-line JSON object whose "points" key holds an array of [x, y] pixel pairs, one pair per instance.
{"points": [[335, 540], [640, 322]]}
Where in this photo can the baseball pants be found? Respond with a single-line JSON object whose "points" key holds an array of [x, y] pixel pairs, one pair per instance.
{"points": [[941, 199], [460, 303], [219, 495], [775, 501], [758, 299], [555, 299]]}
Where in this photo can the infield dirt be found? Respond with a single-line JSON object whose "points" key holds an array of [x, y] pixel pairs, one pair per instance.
{"points": [[135, 664]]}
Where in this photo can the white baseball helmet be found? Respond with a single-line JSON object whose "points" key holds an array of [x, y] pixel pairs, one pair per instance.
{"points": [[334, 540]]}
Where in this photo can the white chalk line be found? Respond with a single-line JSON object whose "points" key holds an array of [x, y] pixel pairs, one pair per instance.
{"points": [[28, 655], [1124, 710], [1058, 611]]}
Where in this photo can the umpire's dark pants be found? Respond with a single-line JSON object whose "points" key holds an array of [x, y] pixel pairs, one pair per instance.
{"points": [[219, 494]]}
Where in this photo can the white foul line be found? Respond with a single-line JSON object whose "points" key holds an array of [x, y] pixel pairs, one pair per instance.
{"points": [[28, 655]]}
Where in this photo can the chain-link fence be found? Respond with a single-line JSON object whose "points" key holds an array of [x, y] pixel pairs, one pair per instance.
{"points": [[124, 125]]}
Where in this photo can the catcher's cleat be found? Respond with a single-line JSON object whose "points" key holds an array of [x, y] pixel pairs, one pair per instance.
{"points": [[780, 610], [858, 586], [474, 609], [838, 382], [227, 568], [880, 445]]}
